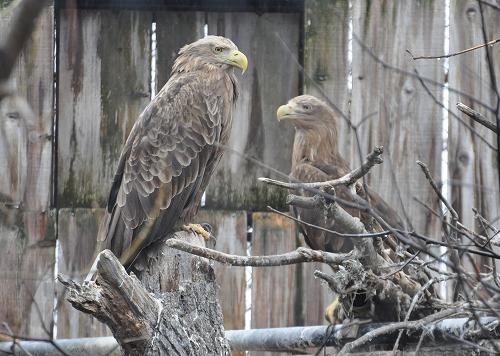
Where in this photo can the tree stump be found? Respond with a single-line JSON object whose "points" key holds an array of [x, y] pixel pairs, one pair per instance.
{"points": [[169, 306]]}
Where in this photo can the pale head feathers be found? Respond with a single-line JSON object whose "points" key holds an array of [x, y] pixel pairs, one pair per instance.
{"points": [[208, 53], [315, 129]]}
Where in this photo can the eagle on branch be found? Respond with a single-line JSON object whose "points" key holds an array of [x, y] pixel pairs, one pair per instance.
{"points": [[316, 158]]}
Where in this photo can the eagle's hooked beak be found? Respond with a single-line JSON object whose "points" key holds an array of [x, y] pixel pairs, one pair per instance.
{"points": [[283, 111], [238, 59]]}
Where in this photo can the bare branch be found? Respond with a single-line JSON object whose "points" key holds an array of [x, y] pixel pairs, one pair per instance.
{"points": [[491, 43], [410, 309], [437, 190], [315, 201], [300, 255], [477, 116], [430, 241], [458, 118], [487, 3], [372, 159], [406, 325], [375, 234], [479, 217]]}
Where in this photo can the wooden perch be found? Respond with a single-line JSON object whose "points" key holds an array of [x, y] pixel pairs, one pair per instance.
{"points": [[174, 311], [345, 222], [372, 159], [298, 256]]}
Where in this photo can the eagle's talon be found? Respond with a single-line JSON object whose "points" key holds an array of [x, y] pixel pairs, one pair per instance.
{"points": [[199, 230], [207, 227]]}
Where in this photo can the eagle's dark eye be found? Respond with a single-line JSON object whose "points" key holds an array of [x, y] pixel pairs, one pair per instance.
{"points": [[218, 49], [306, 107]]}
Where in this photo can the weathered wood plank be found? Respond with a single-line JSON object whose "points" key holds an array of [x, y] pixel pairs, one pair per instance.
{"points": [[274, 290], [399, 114], [77, 232], [27, 241], [27, 231], [326, 67], [326, 72], [104, 84], [230, 229], [271, 42], [312, 296], [473, 170], [174, 29]]}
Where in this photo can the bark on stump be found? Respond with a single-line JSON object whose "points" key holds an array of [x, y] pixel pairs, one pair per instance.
{"points": [[169, 307]]}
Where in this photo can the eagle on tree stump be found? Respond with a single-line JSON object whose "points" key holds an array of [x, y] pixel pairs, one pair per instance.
{"points": [[173, 149]]}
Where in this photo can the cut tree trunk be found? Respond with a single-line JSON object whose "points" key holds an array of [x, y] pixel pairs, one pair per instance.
{"points": [[169, 307]]}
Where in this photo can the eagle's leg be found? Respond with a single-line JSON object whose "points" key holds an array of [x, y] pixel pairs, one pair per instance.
{"points": [[198, 229]]}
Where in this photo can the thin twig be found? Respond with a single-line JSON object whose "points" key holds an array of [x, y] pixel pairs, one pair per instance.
{"points": [[405, 325], [492, 42], [478, 216], [410, 309], [402, 267], [300, 255], [372, 159], [375, 234], [437, 190], [430, 241], [470, 343], [487, 3], [477, 116], [458, 118]]}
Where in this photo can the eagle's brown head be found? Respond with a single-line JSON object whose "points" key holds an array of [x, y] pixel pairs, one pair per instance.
{"points": [[315, 128], [306, 112], [210, 52]]}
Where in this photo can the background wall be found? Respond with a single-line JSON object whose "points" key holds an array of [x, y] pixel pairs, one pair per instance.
{"points": [[57, 165]]}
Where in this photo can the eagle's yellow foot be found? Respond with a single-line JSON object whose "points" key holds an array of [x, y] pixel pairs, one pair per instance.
{"points": [[198, 229]]}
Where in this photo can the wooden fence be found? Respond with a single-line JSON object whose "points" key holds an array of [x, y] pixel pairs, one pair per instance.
{"points": [[57, 166]]}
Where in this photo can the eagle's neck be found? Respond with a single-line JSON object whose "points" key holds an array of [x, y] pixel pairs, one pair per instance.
{"points": [[318, 144], [209, 72]]}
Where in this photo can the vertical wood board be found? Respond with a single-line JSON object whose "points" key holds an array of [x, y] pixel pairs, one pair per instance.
{"points": [[473, 169], [104, 84], [326, 67], [230, 230], [77, 234], [326, 72], [397, 111], [271, 43], [274, 289], [27, 226], [174, 29], [313, 296]]}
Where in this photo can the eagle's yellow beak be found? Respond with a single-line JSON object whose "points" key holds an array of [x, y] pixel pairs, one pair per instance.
{"points": [[283, 110], [238, 59]]}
